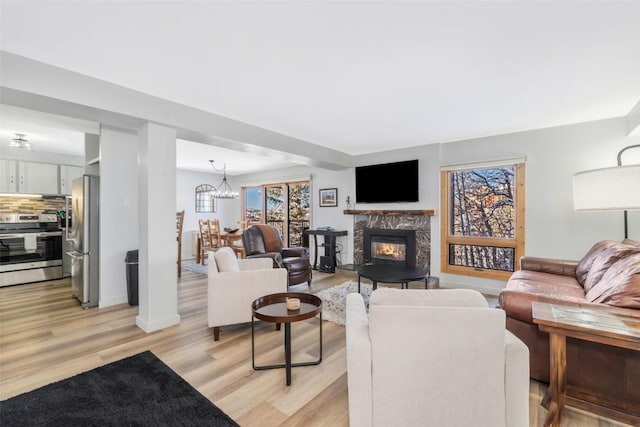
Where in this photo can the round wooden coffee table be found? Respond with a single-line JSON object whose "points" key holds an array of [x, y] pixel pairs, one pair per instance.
{"points": [[393, 274], [273, 308]]}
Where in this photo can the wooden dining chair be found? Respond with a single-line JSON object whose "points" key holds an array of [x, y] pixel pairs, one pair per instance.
{"points": [[179, 223], [214, 230], [209, 237]]}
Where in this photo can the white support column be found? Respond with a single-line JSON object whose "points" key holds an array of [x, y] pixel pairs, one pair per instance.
{"points": [[158, 292]]}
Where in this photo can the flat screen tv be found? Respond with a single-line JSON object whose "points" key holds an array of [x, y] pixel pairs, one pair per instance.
{"points": [[387, 183]]}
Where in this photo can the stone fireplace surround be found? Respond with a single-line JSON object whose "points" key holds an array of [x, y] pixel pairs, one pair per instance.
{"points": [[418, 220]]}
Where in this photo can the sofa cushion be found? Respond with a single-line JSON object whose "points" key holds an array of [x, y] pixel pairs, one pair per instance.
{"points": [[552, 285], [620, 284], [226, 260], [599, 259]]}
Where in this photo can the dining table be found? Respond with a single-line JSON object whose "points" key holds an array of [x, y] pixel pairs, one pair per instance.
{"points": [[227, 239]]}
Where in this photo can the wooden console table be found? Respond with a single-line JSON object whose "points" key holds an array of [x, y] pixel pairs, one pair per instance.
{"points": [[329, 245], [600, 326]]}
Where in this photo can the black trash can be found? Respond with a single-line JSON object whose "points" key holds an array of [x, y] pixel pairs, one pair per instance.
{"points": [[131, 262]]}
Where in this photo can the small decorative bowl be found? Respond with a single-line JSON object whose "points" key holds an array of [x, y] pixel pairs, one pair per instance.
{"points": [[231, 230], [293, 304]]}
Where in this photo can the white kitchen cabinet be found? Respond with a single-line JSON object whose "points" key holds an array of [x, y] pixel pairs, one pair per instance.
{"points": [[67, 175], [8, 176], [37, 178]]}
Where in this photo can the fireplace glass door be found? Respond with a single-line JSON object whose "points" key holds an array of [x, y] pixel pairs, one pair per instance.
{"points": [[388, 251]]}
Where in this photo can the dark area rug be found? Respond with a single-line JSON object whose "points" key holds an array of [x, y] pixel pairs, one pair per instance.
{"points": [[137, 391]]}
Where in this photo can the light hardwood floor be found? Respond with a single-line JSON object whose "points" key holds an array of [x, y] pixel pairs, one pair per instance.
{"points": [[45, 337]]}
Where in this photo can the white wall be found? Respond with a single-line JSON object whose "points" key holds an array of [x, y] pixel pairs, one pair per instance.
{"points": [[118, 211], [553, 155], [633, 120], [333, 216], [228, 211]]}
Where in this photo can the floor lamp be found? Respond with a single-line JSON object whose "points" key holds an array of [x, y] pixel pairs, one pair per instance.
{"points": [[613, 188]]}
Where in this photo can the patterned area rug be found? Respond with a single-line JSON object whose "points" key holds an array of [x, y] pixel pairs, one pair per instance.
{"points": [[196, 268], [334, 300]]}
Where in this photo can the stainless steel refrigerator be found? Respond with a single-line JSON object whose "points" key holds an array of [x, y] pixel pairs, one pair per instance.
{"points": [[84, 236]]}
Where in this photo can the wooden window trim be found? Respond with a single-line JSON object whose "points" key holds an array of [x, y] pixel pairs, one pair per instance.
{"points": [[286, 188], [446, 239]]}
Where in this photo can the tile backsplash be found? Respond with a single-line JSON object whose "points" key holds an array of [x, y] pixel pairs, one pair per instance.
{"points": [[30, 205]]}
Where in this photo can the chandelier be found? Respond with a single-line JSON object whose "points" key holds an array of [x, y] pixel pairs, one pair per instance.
{"points": [[20, 142], [223, 191]]}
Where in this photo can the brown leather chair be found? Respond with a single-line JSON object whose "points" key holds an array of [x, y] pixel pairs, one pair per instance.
{"points": [[263, 240]]}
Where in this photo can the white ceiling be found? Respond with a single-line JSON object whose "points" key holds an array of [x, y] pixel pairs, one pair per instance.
{"points": [[357, 77]]}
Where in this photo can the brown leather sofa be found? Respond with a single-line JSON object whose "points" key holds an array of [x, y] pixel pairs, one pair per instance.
{"points": [[263, 240], [607, 278]]}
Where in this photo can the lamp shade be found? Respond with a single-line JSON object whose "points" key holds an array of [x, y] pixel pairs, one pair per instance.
{"points": [[614, 188]]}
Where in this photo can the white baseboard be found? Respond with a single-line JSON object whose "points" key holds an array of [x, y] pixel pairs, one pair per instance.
{"points": [[108, 302], [155, 325]]}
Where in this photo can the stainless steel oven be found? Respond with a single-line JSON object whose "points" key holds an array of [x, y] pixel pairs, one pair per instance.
{"points": [[31, 248]]}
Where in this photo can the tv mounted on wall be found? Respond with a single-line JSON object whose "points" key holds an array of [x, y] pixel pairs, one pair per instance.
{"points": [[387, 183]]}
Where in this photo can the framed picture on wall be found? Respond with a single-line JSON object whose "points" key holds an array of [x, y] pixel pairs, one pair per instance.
{"points": [[328, 197]]}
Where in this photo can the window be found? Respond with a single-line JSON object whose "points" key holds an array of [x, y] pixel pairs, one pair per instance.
{"points": [[285, 206], [299, 212], [252, 205], [204, 198], [482, 220]]}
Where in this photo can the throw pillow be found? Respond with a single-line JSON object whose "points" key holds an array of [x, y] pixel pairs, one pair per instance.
{"points": [[620, 284], [631, 242], [227, 260], [599, 259]]}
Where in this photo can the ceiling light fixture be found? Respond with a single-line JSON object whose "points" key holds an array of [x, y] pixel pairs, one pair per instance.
{"points": [[609, 189], [20, 142], [223, 191]]}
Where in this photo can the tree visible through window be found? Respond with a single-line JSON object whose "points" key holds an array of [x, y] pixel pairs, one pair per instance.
{"points": [[286, 206], [483, 220]]}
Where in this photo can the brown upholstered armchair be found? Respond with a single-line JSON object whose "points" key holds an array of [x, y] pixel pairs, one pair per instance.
{"points": [[263, 240]]}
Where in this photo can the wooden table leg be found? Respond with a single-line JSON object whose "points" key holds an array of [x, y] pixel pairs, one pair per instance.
{"points": [[557, 381], [198, 250]]}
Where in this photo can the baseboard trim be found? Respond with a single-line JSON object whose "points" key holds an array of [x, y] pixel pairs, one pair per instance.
{"points": [[157, 324]]}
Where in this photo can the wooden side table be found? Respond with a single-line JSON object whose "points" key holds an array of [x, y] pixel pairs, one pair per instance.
{"points": [[273, 308], [600, 326]]}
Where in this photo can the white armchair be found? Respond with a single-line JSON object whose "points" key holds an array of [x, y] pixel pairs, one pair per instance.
{"points": [[235, 283], [433, 357]]}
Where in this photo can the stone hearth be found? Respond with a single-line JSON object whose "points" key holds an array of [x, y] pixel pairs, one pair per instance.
{"points": [[417, 220]]}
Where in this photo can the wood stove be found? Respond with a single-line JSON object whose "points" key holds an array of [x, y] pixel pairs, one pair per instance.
{"points": [[389, 246]]}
